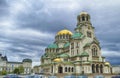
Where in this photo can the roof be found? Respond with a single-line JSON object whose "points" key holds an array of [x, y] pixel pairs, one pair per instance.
{"points": [[14, 62], [27, 60], [65, 31], [57, 60], [63, 55], [83, 13], [84, 54], [52, 46], [4, 58], [77, 35], [44, 56], [67, 44], [107, 63]]}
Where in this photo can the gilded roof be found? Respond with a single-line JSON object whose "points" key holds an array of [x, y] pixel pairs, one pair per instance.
{"points": [[107, 63], [65, 31], [57, 60]]}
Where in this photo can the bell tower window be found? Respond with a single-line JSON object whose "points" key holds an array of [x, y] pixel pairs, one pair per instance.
{"points": [[83, 18], [94, 51], [89, 34]]}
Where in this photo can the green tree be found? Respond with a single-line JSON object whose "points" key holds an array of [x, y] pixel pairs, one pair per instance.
{"points": [[16, 71], [21, 69], [4, 72]]}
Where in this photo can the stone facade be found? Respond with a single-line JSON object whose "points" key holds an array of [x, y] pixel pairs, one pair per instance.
{"points": [[116, 69], [75, 53], [10, 66]]}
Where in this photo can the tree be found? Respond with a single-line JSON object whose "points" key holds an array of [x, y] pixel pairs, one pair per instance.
{"points": [[3, 72], [21, 69], [16, 71]]}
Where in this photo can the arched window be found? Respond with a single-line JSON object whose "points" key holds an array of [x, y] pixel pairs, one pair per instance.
{"points": [[69, 69], [83, 18], [94, 51], [97, 68], [60, 69], [87, 18], [65, 69], [93, 68], [72, 69], [101, 68]]}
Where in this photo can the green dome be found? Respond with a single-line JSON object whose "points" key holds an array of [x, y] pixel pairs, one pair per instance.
{"points": [[67, 44], [84, 54], [44, 56], [77, 35], [27, 60], [64, 56], [52, 46]]}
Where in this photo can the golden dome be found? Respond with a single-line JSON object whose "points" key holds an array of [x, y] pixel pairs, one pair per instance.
{"points": [[57, 60], [107, 63], [83, 13], [64, 32]]}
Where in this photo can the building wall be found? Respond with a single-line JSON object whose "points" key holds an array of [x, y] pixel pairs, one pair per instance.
{"points": [[116, 69], [10, 66]]}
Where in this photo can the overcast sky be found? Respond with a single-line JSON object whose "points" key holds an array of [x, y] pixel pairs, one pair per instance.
{"points": [[27, 27]]}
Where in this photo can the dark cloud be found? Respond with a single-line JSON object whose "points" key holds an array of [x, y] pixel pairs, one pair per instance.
{"points": [[4, 7]]}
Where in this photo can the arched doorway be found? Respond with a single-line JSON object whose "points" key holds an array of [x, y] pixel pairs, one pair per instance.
{"points": [[101, 68], [93, 68], [97, 68], [60, 69]]}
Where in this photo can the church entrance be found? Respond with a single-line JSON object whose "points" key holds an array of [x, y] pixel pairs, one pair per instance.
{"points": [[60, 69]]}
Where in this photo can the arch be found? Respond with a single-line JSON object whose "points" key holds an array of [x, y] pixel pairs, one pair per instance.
{"points": [[60, 69], [83, 18], [69, 69], [65, 69], [101, 68], [94, 51], [72, 70], [97, 68], [87, 18], [93, 68]]}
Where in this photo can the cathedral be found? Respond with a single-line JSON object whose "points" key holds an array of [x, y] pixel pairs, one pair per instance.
{"points": [[75, 53]]}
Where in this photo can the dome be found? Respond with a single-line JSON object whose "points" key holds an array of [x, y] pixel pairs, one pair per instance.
{"points": [[83, 54], [77, 35], [64, 32], [66, 45], [64, 56], [85, 13], [107, 63], [52, 46], [57, 60]]}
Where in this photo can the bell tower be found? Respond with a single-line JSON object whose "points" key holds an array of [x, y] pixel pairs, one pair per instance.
{"points": [[84, 17], [84, 25]]}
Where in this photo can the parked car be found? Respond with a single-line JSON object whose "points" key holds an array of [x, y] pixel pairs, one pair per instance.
{"points": [[99, 76], [35, 76], [52, 77], [70, 76], [11, 76], [83, 76], [117, 76]]}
